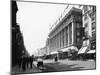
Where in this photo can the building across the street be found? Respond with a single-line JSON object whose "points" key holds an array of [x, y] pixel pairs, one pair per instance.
{"points": [[89, 23], [66, 36], [89, 16]]}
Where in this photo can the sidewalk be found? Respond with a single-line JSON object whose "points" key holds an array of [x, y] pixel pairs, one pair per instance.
{"points": [[17, 70]]}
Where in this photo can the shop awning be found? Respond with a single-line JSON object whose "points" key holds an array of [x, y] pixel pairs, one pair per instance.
{"points": [[91, 51], [65, 50], [83, 50], [55, 52], [74, 48], [70, 48]]}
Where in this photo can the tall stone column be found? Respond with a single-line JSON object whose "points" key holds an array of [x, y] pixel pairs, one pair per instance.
{"points": [[56, 41], [59, 40], [72, 32], [64, 37], [68, 36]]}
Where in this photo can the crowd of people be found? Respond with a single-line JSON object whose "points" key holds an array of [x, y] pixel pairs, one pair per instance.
{"points": [[25, 62]]}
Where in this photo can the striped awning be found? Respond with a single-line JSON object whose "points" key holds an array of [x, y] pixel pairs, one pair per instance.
{"points": [[74, 48], [83, 50], [70, 48], [91, 51], [65, 50], [55, 52]]}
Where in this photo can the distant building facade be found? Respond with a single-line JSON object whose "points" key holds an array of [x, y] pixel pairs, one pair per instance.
{"points": [[67, 33], [42, 51]]}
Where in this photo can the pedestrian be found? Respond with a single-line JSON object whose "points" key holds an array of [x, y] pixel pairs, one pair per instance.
{"points": [[19, 62], [31, 61], [24, 63], [56, 58]]}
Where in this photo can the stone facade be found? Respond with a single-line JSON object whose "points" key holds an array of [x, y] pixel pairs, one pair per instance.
{"points": [[67, 32]]}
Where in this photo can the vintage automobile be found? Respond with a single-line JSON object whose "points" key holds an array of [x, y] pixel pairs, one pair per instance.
{"points": [[39, 62]]}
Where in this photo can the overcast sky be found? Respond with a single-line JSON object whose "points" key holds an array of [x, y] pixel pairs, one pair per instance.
{"points": [[35, 20]]}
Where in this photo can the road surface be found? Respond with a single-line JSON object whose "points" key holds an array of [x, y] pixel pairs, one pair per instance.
{"points": [[67, 65], [61, 65]]}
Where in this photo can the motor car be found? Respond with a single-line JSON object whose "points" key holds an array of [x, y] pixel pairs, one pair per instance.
{"points": [[39, 62]]}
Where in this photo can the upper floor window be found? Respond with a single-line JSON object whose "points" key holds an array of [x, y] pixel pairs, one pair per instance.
{"points": [[85, 17], [94, 34], [93, 19], [78, 25], [93, 15], [94, 8], [78, 33], [93, 25], [78, 39], [86, 33], [85, 9], [86, 25]]}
